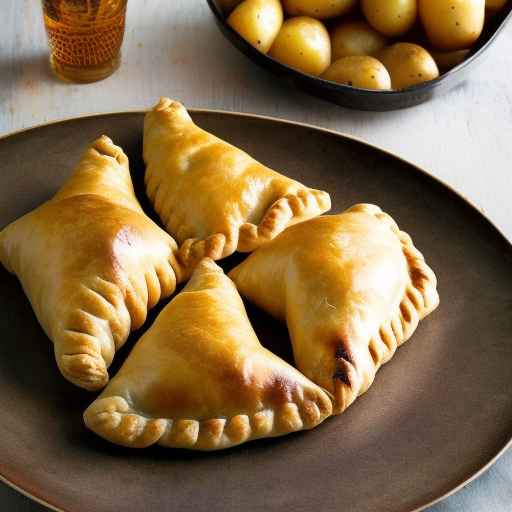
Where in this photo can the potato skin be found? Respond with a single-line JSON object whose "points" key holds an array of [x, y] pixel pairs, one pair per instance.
{"points": [[391, 18], [359, 71], [350, 38], [452, 24], [258, 22], [318, 9], [408, 64], [303, 43]]}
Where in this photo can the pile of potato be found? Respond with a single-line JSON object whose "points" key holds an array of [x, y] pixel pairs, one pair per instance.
{"points": [[363, 43]]}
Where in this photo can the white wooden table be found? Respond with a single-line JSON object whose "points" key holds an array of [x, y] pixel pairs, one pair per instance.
{"points": [[173, 48]]}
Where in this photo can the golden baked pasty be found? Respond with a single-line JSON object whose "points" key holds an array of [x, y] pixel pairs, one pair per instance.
{"points": [[199, 378], [350, 287], [91, 263], [212, 197]]}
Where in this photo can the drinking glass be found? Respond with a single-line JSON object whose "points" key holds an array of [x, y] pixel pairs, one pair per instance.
{"points": [[85, 37]]}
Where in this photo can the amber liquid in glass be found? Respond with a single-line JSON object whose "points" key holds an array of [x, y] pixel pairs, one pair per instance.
{"points": [[85, 37]]}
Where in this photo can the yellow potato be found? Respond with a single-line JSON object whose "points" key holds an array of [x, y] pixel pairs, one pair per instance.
{"points": [[448, 60], [494, 5], [452, 24], [319, 9], [408, 64], [258, 22], [390, 17], [303, 43], [359, 71], [355, 38]]}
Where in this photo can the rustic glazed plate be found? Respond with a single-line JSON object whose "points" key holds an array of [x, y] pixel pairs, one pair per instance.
{"points": [[365, 99], [437, 414]]}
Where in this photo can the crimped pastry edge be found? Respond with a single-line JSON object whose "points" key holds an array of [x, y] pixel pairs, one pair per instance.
{"points": [[84, 361], [290, 209], [286, 211], [115, 420], [420, 299]]}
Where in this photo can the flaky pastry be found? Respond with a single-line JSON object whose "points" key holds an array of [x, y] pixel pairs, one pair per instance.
{"points": [[91, 263], [351, 289], [212, 197], [200, 379]]}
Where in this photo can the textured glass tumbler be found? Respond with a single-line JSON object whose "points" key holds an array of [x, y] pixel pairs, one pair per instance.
{"points": [[85, 37]]}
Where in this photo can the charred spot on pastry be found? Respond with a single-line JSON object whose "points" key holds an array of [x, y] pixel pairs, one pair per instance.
{"points": [[341, 353], [342, 376], [343, 359]]}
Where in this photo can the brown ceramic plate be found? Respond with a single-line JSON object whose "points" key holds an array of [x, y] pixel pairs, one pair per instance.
{"points": [[437, 414]]}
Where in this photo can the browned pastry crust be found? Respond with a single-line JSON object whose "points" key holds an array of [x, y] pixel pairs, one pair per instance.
{"points": [[213, 197], [200, 379], [91, 263], [351, 288]]}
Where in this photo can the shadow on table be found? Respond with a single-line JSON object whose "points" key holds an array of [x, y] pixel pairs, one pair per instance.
{"points": [[24, 71]]}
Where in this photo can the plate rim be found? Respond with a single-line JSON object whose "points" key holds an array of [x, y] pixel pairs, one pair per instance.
{"points": [[466, 480]]}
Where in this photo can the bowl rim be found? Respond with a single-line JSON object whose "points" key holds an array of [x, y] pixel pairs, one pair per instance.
{"points": [[502, 18]]}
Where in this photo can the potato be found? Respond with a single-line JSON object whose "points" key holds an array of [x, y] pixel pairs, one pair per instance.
{"points": [[448, 60], [228, 5], [319, 9], [408, 64], [494, 5], [390, 17], [355, 38], [303, 43], [258, 22], [452, 24], [359, 71]]}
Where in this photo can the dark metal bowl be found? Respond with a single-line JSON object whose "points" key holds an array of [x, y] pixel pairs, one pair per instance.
{"points": [[365, 99]]}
